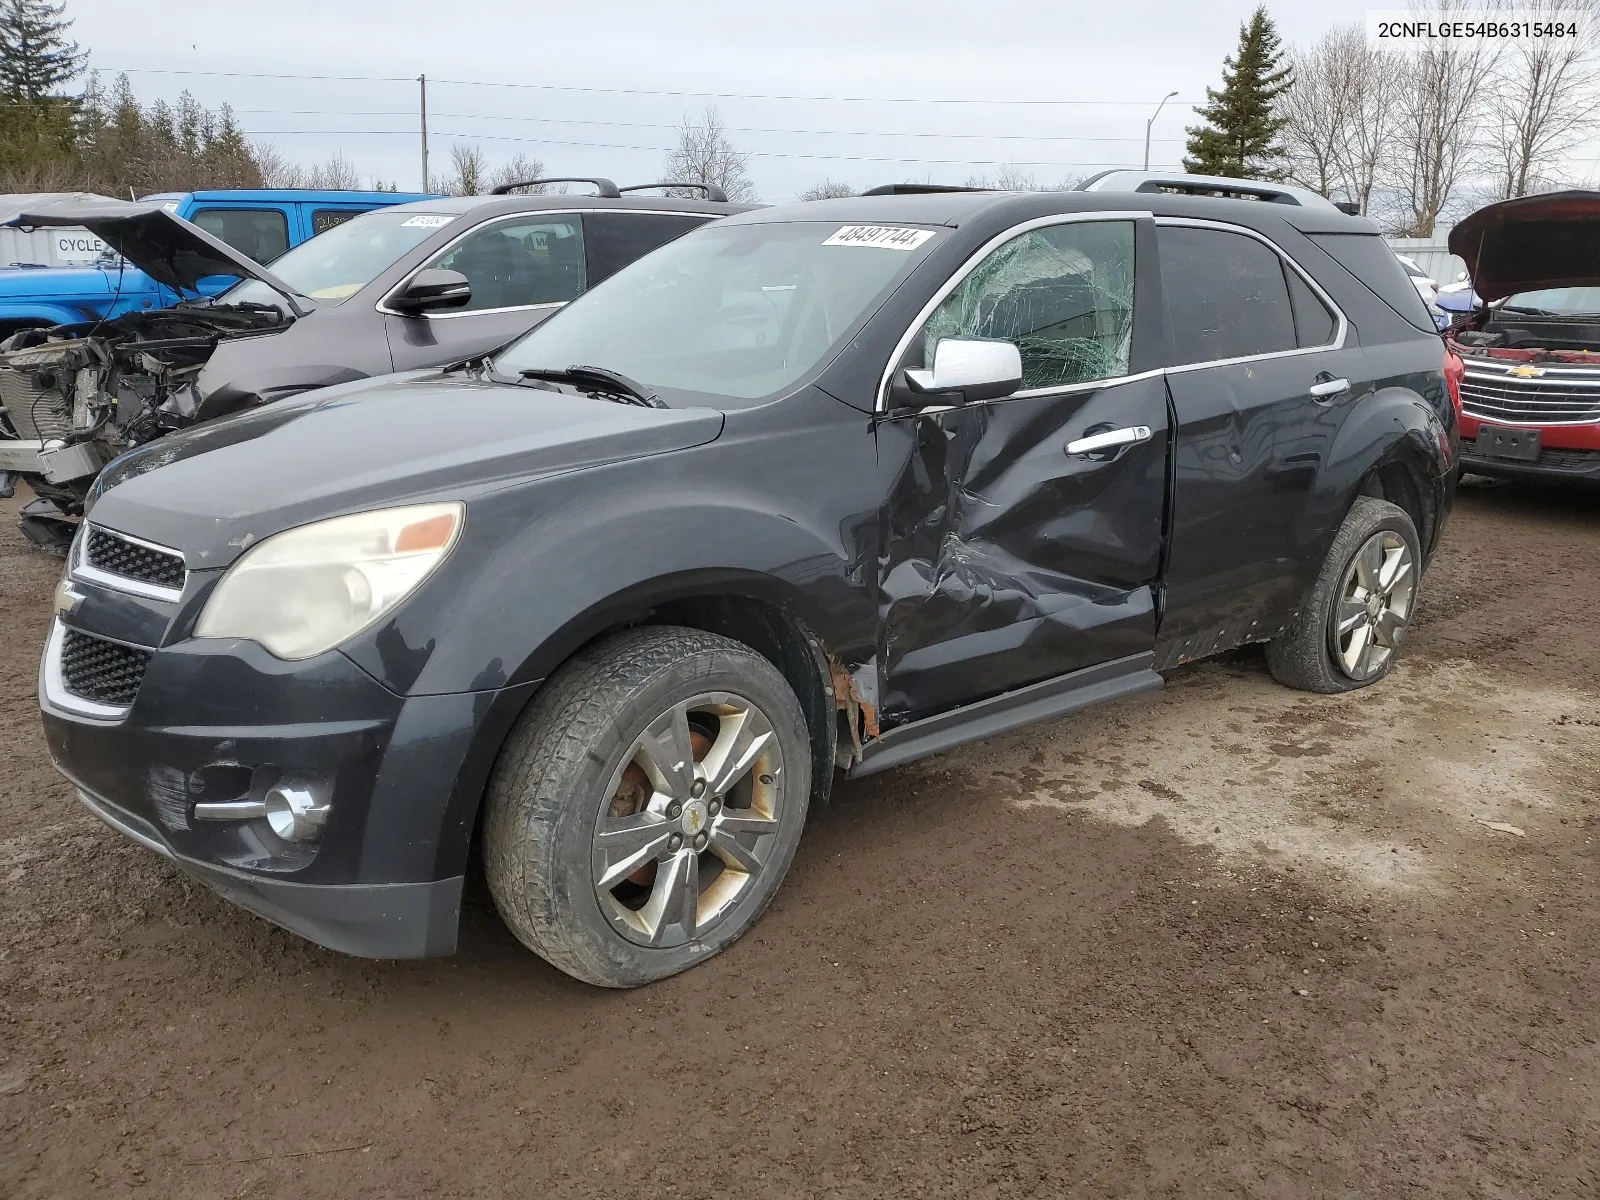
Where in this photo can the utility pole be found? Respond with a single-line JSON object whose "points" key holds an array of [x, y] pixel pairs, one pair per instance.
{"points": [[422, 83], [1147, 126]]}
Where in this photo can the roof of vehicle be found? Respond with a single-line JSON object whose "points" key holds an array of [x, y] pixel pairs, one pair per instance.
{"points": [[957, 208], [490, 205], [268, 195]]}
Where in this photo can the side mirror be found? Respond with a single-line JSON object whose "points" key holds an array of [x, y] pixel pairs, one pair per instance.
{"points": [[966, 370], [432, 289]]}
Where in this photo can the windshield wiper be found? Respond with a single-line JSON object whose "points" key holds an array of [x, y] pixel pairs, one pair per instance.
{"points": [[598, 380]]}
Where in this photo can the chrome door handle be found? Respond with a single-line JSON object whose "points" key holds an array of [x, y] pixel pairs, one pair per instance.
{"points": [[1329, 387], [1111, 439]]}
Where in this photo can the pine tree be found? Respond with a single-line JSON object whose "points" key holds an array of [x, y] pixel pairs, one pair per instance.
{"points": [[35, 55], [1240, 137]]}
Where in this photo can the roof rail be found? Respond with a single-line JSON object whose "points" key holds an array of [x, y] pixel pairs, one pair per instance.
{"points": [[713, 193], [1205, 185], [602, 187], [918, 189]]}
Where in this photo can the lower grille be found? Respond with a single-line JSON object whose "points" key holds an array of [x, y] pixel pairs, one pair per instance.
{"points": [[116, 555], [105, 672], [1570, 460]]}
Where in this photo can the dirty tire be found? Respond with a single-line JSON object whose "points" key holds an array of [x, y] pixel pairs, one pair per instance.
{"points": [[550, 784], [1301, 657]]}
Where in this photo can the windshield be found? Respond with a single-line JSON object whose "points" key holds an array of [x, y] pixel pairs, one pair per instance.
{"points": [[740, 311], [1566, 302], [337, 264]]}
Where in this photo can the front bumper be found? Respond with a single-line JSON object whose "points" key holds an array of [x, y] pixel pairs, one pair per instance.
{"points": [[373, 920], [217, 722]]}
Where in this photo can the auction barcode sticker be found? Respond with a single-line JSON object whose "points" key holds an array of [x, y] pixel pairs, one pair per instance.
{"points": [[427, 221], [888, 236]]}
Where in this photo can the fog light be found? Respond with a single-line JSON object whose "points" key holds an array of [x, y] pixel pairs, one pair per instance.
{"points": [[294, 812]]}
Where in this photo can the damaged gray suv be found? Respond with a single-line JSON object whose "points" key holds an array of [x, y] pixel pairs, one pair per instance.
{"points": [[810, 490]]}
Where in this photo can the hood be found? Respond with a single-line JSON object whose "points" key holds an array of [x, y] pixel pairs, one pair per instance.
{"points": [[1531, 243], [218, 488], [157, 241]]}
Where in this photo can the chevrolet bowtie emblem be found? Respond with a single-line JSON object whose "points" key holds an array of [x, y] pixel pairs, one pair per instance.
{"points": [[1526, 372], [67, 599]]}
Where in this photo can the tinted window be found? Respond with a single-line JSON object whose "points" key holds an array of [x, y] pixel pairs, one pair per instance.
{"points": [[1062, 295], [616, 239], [1313, 323], [522, 261], [1369, 259], [261, 233], [1226, 295], [324, 219]]}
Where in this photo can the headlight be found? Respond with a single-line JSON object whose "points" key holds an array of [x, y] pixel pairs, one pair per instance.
{"points": [[306, 590]]}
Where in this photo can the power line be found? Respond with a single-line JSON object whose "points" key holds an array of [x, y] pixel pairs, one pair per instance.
{"points": [[613, 91], [991, 137], [970, 162]]}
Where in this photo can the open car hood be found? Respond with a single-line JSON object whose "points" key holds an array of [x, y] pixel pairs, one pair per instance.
{"points": [[160, 243], [1531, 243]]}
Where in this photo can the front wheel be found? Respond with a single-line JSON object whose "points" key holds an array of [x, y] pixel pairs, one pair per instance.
{"points": [[1360, 608], [646, 807]]}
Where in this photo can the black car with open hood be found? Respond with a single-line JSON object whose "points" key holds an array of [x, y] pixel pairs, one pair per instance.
{"points": [[412, 285]]}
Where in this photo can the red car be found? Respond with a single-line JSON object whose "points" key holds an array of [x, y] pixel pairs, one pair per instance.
{"points": [[1530, 395]]}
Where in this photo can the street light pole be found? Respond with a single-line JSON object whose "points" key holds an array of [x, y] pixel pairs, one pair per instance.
{"points": [[1150, 123]]}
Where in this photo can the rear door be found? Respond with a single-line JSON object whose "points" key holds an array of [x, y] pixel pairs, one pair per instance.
{"points": [[1260, 377], [1008, 554], [522, 268]]}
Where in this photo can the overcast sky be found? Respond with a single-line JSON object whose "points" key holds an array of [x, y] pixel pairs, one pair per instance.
{"points": [[864, 93]]}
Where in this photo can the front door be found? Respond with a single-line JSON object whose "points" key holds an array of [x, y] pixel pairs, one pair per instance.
{"points": [[1013, 550], [521, 268]]}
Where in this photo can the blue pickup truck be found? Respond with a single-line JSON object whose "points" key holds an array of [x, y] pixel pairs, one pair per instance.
{"points": [[260, 223]]}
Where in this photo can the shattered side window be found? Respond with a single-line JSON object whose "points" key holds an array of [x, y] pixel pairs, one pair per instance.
{"points": [[1062, 295]]}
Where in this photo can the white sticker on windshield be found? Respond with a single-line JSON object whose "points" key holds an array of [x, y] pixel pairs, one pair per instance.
{"points": [[887, 236], [426, 221]]}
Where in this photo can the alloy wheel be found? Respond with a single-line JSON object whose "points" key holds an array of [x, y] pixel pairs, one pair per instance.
{"points": [[1374, 606], [690, 817]]}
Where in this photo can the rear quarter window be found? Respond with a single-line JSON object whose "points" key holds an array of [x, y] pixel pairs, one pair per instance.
{"points": [[1369, 259]]}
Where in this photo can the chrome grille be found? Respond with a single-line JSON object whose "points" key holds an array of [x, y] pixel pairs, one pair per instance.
{"points": [[96, 669], [1561, 396], [116, 555]]}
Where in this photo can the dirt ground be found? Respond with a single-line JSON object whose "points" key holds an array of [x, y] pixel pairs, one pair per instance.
{"points": [[1224, 940]]}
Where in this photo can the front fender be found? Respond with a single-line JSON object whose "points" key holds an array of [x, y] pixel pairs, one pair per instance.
{"points": [[29, 313], [544, 566], [255, 388]]}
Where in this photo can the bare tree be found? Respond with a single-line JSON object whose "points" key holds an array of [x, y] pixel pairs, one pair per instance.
{"points": [[469, 171], [826, 190], [519, 170], [1545, 100], [277, 171], [1440, 123], [705, 155], [1341, 114]]}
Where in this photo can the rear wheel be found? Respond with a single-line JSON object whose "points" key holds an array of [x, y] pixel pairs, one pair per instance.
{"points": [[1360, 608], [647, 806]]}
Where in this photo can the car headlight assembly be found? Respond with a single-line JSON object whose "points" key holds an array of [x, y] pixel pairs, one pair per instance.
{"points": [[307, 590]]}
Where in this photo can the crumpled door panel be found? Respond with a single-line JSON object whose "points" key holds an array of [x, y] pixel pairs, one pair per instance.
{"points": [[1006, 560]]}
